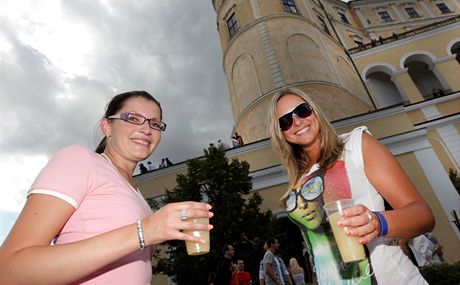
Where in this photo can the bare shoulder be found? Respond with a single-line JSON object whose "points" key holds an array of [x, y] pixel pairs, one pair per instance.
{"points": [[375, 153]]}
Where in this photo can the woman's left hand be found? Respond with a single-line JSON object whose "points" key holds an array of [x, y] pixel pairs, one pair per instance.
{"points": [[361, 222]]}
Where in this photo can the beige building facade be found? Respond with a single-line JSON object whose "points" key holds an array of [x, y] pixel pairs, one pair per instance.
{"points": [[393, 66]]}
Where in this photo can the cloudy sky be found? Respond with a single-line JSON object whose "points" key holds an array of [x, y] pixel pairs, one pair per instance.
{"points": [[61, 62]]}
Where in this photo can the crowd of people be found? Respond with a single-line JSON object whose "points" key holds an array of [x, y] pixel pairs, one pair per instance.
{"points": [[422, 250], [273, 270], [165, 162], [237, 141]]}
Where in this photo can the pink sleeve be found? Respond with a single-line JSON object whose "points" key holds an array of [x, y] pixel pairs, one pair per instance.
{"points": [[66, 176]]}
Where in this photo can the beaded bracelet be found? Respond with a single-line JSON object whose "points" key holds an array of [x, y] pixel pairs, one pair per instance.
{"points": [[140, 234], [383, 224]]}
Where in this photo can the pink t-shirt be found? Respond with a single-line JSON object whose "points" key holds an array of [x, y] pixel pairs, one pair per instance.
{"points": [[103, 201]]}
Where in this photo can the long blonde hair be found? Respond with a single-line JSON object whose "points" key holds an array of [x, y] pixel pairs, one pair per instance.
{"points": [[294, 266], [293, 158]]}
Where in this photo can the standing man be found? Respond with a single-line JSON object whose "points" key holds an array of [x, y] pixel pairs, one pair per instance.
{"points": [[225, 267], [272, 267], [261, 268], [244, 278], [286, 277]]}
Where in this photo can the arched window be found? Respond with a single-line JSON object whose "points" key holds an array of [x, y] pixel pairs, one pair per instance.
{"points": [[420, 70], [382, 87]]}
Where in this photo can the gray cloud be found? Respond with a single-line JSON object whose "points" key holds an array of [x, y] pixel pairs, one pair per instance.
{"points": [[169, 48]]}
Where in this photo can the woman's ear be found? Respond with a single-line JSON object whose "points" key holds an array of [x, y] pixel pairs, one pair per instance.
{"points": [[105, 127]]}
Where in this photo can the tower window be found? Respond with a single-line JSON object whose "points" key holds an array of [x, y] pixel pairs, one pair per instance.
{"points": [[384, 16], [411, 12], [443, 8], [289, 6], [232, 25], [343, 18], [323, 25]]}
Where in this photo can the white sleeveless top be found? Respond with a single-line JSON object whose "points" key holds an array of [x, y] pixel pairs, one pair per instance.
{"points": [[390, 265]]}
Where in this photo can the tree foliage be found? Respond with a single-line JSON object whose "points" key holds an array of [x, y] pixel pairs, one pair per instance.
{"points": [[453, 175], [237, 219]]}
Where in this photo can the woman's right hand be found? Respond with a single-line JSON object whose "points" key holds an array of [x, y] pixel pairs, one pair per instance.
{"points": [[167, 224]]}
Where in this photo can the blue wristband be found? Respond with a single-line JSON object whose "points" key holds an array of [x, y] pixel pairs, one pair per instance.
{"points": [[383, 224]]}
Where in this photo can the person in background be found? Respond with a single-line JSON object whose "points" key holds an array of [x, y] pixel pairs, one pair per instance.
{"points": [[323, 167], [150, 166], [308, 261], [85, 221], [168, 162], [162, 163], [142, 168], [225, 268], [437, 246], [286, 277], [239, 138], [261, 267], [244, 278], [222, 144], [425, 251], [235, 141], [296, 271], [272, 268]]}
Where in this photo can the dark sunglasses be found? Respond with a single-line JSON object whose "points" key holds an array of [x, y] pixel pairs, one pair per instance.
{"points": [[302, 111]]}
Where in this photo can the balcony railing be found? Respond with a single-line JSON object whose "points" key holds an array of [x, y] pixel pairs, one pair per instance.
{"points": [[408, 34]]}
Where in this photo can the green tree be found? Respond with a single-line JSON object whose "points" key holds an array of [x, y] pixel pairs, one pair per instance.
{"points": [[453, 175], [237, 219]]}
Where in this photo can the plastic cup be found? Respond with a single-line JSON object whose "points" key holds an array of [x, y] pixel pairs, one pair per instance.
{"points": [[349, 247], [195, 248]]}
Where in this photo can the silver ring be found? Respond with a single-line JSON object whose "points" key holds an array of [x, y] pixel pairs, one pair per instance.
{"points": [[183, 215], [369, 216]]}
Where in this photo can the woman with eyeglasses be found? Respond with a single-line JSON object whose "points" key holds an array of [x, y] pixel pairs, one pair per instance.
{"points": [[324, 167], [85, 221]]}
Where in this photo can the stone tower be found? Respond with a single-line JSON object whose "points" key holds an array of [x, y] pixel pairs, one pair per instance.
{"points": [[270, 44]]}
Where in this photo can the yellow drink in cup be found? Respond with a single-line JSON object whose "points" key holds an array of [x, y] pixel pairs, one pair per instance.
{"points": [[349, 247], [195, 248]]}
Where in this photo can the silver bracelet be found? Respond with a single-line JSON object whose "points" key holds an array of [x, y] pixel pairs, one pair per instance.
{"points": [[140, 234]]}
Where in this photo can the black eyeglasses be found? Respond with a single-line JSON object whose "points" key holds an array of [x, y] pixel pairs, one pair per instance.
{"points": [[310, 190], [302, 111], [140, 120]]}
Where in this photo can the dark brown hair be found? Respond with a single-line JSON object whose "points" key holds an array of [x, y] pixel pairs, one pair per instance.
{"points": [[116, 104]]}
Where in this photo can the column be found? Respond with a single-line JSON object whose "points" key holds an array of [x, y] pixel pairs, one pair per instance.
{"points": [[427, 10], [361, 18], [440, 183], [406, 86], [447, 70], [456, 2], [395, 10]]}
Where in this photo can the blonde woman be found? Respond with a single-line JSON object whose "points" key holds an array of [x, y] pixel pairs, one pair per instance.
{"points": [[296, 272], [324, 167]]}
